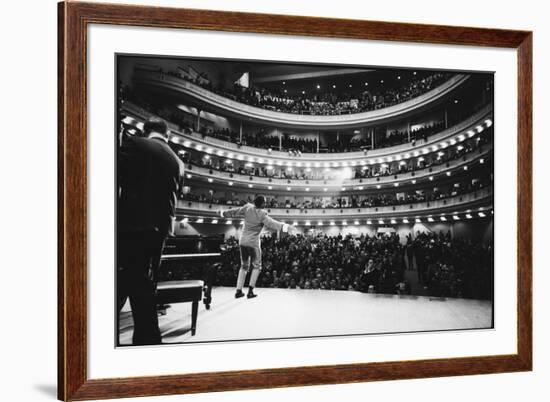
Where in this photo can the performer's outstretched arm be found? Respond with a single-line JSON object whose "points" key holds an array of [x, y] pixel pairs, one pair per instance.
{"points": [[233, 213], [272, 224]]}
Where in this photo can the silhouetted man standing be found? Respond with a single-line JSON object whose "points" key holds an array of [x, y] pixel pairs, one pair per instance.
{"points": [[150, 177]]}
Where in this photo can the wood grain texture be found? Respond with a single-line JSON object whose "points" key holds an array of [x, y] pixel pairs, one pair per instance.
{"points": [[73, 383], [525, 191]]}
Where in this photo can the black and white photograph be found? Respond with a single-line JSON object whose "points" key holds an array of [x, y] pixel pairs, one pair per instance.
{"points": [[260, 200]]}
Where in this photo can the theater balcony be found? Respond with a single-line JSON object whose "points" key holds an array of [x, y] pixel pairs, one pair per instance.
{"points": [[478, 203], [467, 128], [206, 176], [172, 86]]}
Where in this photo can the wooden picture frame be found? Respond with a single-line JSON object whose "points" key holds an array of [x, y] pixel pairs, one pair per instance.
{"points": [[73, 381]]}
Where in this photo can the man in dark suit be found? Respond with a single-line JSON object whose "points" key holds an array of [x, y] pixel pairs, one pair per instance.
{"points": [[150, 176]]}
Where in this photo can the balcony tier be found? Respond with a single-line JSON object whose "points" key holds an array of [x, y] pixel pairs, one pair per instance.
{"points": [[318, 186], [435, 142], [480, 200], [207, 100]]}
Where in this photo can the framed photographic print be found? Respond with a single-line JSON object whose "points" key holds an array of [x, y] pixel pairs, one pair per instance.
{"points": [[252, 201]]}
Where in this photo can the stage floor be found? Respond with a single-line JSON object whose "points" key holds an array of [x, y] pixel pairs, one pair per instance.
{"points": [[290, 313]]}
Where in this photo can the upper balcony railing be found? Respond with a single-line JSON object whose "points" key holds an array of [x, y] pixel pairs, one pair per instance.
{"points": [[478, 121], [320, 184], [482, 198], [202, 97]]}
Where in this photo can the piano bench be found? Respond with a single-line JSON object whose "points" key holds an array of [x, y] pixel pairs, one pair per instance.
{"points": [[181, 292]]}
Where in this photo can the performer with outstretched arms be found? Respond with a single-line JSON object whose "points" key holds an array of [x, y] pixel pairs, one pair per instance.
{"points": [[255, 219]]}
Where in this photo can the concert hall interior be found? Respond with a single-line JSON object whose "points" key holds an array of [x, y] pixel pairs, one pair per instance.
{"points": [[383, 175]]}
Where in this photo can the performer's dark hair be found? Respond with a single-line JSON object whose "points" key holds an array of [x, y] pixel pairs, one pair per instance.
{"points": [[259, 201], [155, 124]]}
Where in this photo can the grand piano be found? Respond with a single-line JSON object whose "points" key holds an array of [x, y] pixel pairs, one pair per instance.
{"points": [[188, 271]]}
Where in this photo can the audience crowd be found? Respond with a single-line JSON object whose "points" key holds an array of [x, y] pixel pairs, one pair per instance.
{"points": [[309, 145], [445, 267], [325, 103], [358, 172], [352, 201]]}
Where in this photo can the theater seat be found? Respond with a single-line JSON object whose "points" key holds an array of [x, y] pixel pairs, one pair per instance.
{"points": [[180, 292]]}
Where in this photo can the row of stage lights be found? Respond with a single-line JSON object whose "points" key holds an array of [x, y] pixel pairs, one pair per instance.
{"points": [[328, 164], [325, 189], [392, 221], [363, 162]]}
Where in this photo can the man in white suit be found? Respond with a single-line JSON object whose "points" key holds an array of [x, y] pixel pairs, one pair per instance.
{"points": [[255, 219]]}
